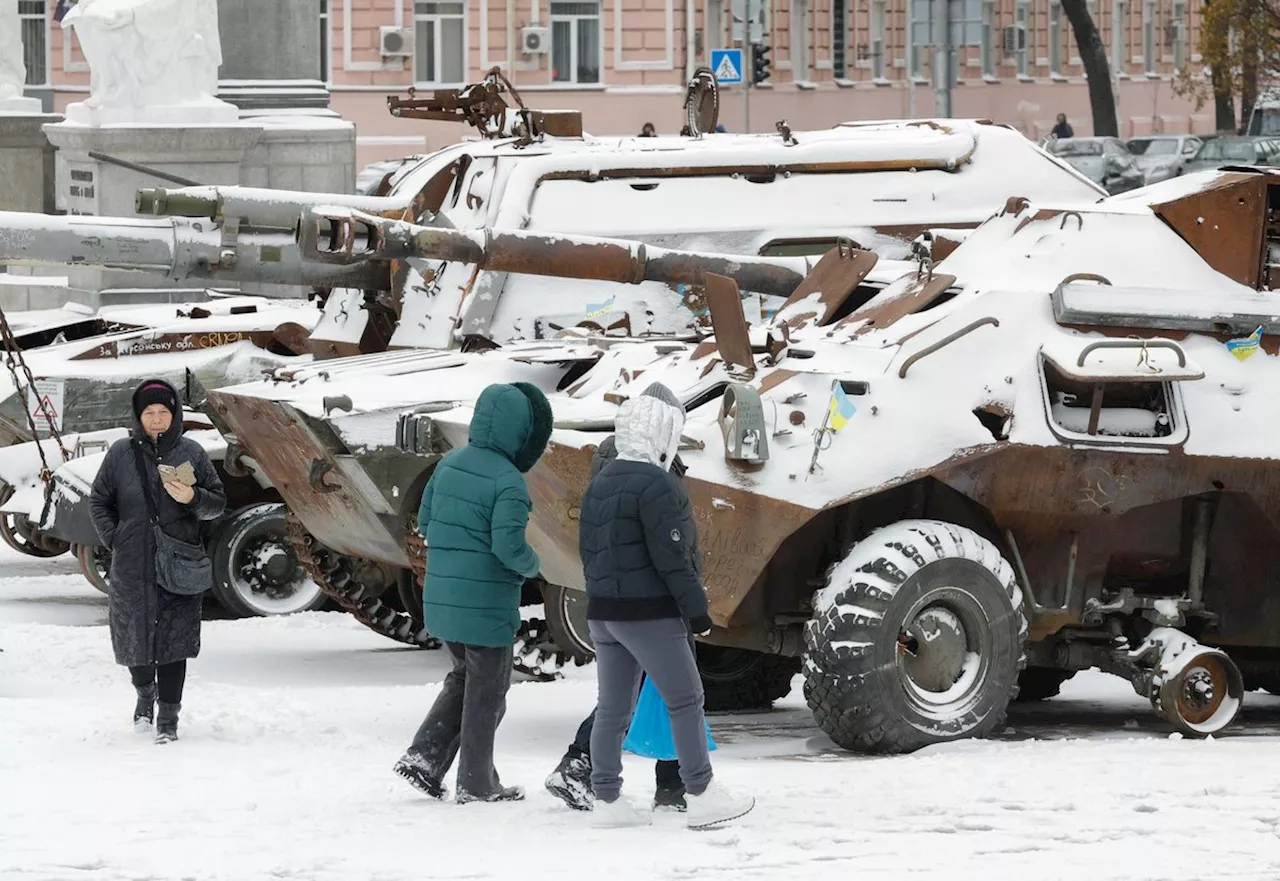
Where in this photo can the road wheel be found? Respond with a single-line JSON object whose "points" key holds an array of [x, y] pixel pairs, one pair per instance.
{"points": [[566, 612], [735, 679], [409, 591], [95, 563], [1041, 683], [917, 638], [255, 569], [21, 534]]}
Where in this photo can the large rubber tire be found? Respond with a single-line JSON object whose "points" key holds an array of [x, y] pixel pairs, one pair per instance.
{"points": [[736, 680], [95, 563], [1041, 683], [566, 612], [277, 585], [918, 638]]}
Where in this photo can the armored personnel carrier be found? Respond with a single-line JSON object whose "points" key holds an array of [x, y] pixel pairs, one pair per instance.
{"points": [[1047, 451]]}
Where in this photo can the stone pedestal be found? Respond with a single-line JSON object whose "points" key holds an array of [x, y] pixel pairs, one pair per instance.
{"points": [[270, 54], [26, 163], [314, 154], [208, 154]]}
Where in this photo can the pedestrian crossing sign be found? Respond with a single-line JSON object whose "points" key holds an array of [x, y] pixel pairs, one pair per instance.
{"points": [[726, 64]]}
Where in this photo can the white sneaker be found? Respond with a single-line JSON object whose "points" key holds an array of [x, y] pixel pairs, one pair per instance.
{"points": [[616, 814], [716, 805]]}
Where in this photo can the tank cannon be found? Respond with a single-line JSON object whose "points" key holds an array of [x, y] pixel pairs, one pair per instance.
{"points": [[351, 237]]}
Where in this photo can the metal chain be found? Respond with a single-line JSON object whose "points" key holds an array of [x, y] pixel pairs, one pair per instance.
{"points": [[13, 360]]}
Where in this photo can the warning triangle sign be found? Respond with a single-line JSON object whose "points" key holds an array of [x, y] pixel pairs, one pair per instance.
{"points": [[726, 70]]}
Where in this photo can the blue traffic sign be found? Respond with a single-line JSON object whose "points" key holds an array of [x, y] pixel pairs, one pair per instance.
{"points": [[726, 64]]}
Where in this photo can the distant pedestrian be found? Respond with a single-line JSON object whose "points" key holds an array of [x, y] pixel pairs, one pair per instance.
{"points": [[637, 540], [1063, 128], [648, 131], [150, 521], [473, 515]]}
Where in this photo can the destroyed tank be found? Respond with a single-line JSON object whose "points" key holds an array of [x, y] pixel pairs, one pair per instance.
{"points": [[1047, 451], [82, 386], [492, 286]]}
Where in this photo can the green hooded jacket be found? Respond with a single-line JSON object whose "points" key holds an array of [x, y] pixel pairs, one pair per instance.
{"points": [[473, 514]]}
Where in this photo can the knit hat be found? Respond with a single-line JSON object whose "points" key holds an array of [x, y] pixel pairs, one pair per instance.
{"points": [[663, 394], [154, 392]]}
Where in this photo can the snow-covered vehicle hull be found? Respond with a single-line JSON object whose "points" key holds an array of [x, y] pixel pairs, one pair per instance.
{"points": [[1035, 456], [83, 386]]}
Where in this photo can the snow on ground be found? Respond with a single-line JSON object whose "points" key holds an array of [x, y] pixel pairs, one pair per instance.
{"points": [[290, 726]]}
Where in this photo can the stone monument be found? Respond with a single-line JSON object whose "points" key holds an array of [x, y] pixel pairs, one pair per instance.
{"points": [[150, 61]]}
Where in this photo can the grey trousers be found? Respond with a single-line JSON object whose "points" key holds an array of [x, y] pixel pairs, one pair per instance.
{"points": [[660, 648], [465, 717]]}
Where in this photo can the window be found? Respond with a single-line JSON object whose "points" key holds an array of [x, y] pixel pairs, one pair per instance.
{"points": [[576, 48], [1055, 39], [1179, 25], [1119, 36], [988, 38], [34, 25], [877, 39], [917, 36], [799, 39], [324, 40], [1149, 35], [840, 37], [1022, 19], [440, 45]]}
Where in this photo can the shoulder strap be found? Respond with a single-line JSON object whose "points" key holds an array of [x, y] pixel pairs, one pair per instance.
{"points": [[142, 476]]}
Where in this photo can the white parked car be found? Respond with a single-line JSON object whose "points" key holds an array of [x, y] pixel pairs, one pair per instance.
{"points": [[1163, 156]]}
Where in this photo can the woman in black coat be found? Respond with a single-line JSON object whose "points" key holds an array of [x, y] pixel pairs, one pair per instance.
{"points": [[148, 499]]}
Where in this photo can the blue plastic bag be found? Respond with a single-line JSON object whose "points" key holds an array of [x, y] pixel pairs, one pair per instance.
{"points": [[650, 733]]}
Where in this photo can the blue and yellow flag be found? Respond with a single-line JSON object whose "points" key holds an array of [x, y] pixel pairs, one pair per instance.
{"points": [[840, 410], [1243, 349]]}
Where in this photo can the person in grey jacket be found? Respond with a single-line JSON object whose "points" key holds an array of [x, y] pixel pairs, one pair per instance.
{"points": [[154, 631], [637, 540]]}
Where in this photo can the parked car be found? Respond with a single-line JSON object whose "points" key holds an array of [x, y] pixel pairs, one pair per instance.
{"points": [[1229, 150], [1163, 156], [1105, 161]]}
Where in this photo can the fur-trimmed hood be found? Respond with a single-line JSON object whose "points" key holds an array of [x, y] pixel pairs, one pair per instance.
{"points": [[514, 420]]}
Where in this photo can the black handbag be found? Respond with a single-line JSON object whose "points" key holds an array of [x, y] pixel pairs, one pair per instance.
{"points": [[181, 567]]}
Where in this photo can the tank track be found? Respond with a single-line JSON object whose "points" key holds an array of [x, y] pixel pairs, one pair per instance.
{"points": [[535, 654], [332, 575]]}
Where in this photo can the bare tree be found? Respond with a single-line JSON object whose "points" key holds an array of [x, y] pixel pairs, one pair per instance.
{"points": [[1093, 55]]}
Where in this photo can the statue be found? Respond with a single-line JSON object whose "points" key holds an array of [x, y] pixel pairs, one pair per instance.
{"points": [[13, 72], [150, 61]]}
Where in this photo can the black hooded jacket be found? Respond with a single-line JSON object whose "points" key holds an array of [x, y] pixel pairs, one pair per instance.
{"points": [[150, 625]]}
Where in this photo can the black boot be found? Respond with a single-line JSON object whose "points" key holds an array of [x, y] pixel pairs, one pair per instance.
{"points": [[167, 722], [669, 789], [571, 780], [420, 774], [144, 712], [506, 793]]}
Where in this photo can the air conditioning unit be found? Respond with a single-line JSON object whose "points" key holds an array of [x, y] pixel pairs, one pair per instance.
{"points": [[395, 42], [535, 41], [1015, 39]]}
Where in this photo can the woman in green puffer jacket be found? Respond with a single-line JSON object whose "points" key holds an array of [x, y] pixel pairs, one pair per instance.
{"points": [[473, 515]]}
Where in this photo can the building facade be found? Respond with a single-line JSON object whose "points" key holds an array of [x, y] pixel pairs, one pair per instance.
{"points": [[625, 62]]}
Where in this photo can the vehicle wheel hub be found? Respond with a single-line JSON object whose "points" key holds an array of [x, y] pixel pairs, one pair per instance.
{"points": [[271, 569], [933, 648]]}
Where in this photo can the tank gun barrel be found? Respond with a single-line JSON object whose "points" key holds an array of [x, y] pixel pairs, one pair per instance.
{"points": [[254, 207], [177, 248], [353, 237]]}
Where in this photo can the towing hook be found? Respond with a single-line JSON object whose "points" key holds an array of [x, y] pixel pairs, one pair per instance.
{"points": [[315, 479]]}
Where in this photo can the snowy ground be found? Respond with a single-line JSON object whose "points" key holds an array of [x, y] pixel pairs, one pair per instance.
{"points": [[289, 729]]}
